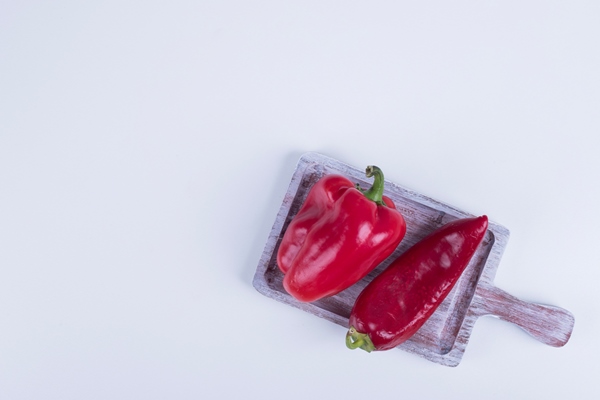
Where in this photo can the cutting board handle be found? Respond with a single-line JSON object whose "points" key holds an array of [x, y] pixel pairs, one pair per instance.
{"points": [[548, 324]]}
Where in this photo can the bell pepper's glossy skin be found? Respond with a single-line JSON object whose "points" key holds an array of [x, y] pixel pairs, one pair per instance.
{"points": [[338, 236], [400, 299]]}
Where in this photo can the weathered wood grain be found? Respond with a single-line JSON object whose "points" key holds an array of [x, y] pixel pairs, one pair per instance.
{"points": [[444, 337]]}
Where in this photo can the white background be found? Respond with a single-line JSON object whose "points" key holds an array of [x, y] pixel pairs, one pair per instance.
{"points": [[145, 148]]}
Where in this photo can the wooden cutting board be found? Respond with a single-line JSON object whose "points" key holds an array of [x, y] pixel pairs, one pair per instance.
{"points": [[444, 337]]}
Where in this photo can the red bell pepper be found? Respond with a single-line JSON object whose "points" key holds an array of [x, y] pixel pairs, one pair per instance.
{"points": [[339, 235], [398, 301]]}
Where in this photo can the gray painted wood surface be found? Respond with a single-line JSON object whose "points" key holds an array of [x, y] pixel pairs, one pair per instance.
{"points": [[444, 337]]}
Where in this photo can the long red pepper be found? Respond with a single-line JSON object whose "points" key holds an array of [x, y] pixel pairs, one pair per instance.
{"points": [[339, 235], [399, 300]]}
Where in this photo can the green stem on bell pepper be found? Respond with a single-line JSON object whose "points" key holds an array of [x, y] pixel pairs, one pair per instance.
{"points": [[375, 193]]}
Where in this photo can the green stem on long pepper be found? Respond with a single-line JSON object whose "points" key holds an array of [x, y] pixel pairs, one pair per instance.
{"points": [[356, 340]]}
